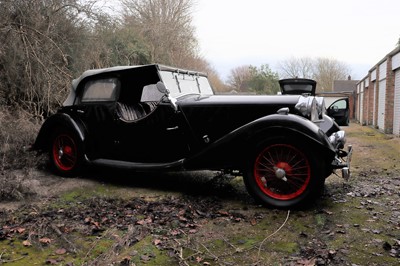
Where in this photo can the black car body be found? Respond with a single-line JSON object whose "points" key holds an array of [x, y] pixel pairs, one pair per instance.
{"points": [[159, 118]]}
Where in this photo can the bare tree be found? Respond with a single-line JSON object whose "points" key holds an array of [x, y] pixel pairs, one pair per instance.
{"points": [[165, 26], [323, 70], [164, 30], [239, 78], [45, 44], [296, 67], [327, 70], [34, 62], [110, 43]]}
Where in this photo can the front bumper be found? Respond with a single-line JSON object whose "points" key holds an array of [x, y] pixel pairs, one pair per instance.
{"points": [[344, 163], [343, 158]]}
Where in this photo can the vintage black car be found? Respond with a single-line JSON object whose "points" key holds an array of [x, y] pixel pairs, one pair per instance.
{"points": [[160, 118]]}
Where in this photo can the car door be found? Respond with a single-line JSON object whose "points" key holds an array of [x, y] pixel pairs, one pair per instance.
{"points": [[95, 107], [339, 110], [157, 137]]}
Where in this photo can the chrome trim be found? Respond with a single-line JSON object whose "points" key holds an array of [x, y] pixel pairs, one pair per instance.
{"points": [[307, 106], [320, 106], [346, 173], [338, 139], [343, 161], [283, 111], [172, 128]]}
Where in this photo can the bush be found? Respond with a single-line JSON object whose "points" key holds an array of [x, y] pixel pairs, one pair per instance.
{"points": [[16, 185], [18, 132]]}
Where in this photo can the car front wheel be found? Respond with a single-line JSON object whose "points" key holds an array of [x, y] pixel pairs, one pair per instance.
{"points": [[65, 153], [283, 174]]}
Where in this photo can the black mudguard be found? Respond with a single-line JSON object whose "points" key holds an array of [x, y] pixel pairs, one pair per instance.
{"points": [[59, 120], [234, 148]]}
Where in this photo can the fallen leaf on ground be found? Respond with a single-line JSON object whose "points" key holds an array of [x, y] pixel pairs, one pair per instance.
{"points": [[26, 243], [306, 262], [51, 261], [61, 251], [45, 240]]}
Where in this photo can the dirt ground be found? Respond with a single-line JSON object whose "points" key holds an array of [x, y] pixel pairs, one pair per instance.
{"points": [[110, 217]]}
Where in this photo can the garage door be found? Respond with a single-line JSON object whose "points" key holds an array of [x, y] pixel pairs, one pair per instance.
{"points": [[396, 117], [381, 104], [361, 107], [374, 106]]}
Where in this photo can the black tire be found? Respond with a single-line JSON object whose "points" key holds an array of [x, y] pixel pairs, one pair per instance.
{"points": [[66, 153], [284, 174]]}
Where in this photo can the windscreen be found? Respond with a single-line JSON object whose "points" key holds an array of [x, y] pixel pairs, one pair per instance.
{"points": [[180, 84]]}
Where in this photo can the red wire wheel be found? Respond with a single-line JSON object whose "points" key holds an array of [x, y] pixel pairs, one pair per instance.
{"points": [[65, 153], [282, 172]]}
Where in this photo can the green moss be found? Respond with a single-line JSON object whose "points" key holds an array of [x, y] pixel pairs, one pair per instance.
{"points": [[72, 196], [146, 248], [283, 246], [98, 247], [15, 253], [244, 242], [85, 193], [320, 219]]}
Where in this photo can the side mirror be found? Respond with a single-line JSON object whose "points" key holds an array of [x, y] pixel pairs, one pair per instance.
{"points": [[161, 88]]}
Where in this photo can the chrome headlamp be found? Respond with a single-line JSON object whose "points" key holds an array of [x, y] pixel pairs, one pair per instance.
{"points": [[307, 106], [321, 107], [338, 139]]}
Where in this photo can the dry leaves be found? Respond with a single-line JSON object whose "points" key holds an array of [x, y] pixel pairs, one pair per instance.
{"points": [[45, 240], [61, 251], [26, 243]]}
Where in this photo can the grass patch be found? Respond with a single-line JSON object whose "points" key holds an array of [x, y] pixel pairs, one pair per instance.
{"points": [[145, 252], [15, 253]]}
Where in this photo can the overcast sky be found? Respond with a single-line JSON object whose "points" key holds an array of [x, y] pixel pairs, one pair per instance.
{"points": [[240, 32]]}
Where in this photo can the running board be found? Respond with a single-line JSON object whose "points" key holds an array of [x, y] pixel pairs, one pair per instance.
{"points": [[177, 165]]}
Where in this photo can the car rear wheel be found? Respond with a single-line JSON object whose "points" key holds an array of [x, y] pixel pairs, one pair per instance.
{"points": [[283, 174], [66, 153]]}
